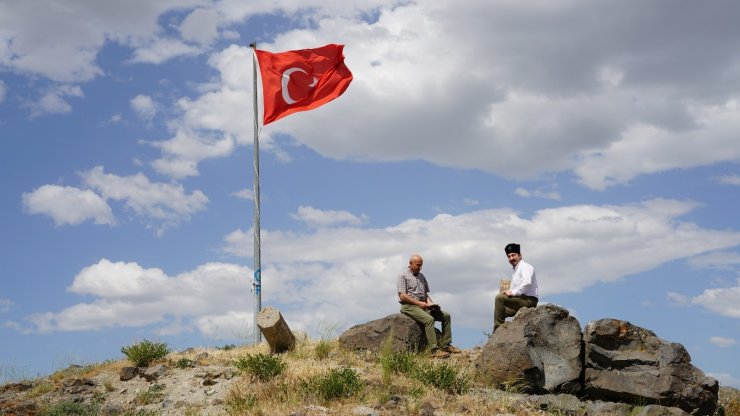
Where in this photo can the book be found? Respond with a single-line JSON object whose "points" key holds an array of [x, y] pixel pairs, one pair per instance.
{"points": [[504, 285], [434, 307]]}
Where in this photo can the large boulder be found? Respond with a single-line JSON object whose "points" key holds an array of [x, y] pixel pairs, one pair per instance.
{"points": [[626, 363], [539, 351], [406, 335]]}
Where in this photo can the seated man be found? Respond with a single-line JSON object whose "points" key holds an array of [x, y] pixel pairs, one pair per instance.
{"points": [[523, 291], [413, 294]]}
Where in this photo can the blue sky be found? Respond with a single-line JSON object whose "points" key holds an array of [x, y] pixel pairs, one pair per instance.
{"points": [[602, 137]]}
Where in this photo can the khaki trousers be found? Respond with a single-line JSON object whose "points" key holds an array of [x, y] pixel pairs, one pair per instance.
{"points": [[507, 306], [427, 319]]}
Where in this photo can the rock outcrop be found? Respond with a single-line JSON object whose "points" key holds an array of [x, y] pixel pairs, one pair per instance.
{"points": [[405, 333], [627, 363], [543, 351], [539, 351]]}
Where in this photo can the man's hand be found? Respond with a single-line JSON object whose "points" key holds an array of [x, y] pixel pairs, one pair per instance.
{"points": [[508, 293]]}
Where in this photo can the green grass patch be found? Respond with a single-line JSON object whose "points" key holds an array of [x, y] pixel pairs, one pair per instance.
{"points": [[145, 352], [338, 383], [264, 367]]}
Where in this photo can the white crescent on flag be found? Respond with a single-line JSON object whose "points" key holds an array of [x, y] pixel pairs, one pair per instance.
{"points": [[286, 79]]}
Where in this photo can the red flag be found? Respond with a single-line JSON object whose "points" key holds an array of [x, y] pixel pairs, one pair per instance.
{"points": [[301, 80]]}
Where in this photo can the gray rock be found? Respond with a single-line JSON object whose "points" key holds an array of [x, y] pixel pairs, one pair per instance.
{"points": [[608, 408], [538, 351], [154, 372], [655, 410], [127, 373], [627, 363], [405, 333], [364, 411]]}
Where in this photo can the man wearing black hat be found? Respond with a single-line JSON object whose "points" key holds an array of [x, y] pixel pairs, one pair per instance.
{"points": [[523, 291]]}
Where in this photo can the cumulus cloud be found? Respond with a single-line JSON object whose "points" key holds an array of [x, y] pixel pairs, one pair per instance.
{"points": [[325, 218], [68, 205], [311, 268], [144, 106], [245, 193], [163, 204], [5, 305], [722, 301], [583, 101], [537, 193], [54, 101], [168, 203], [723, 342], [129, 295], [729, 180]]}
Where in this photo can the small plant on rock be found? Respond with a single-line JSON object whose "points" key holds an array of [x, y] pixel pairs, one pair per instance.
{"points": [[145, 352], [264, 367]]}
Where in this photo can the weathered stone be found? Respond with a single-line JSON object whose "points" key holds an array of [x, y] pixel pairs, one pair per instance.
{"points": [[154, 372], [405, 333], [538, 351], [599, 408], [275, 330], [656, 410], [127, 373], [626, 363]]}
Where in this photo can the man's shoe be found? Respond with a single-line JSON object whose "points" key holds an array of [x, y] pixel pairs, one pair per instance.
{"points": [[452, 350], [439, 353]]}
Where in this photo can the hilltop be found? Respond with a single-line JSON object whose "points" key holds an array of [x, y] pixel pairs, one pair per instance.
{"points": [[317, 378]]}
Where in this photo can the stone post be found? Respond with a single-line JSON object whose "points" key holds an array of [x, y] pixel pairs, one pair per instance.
{"points": [[275, 330]]}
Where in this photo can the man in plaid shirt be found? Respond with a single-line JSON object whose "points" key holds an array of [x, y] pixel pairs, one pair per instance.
{"points": [[413, 294]]}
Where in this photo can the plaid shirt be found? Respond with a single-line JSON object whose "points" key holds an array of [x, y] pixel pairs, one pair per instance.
{"points": [[414, 286]]}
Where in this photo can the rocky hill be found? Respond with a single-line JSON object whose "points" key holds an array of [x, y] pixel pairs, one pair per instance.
{"points": [[317, 378]]}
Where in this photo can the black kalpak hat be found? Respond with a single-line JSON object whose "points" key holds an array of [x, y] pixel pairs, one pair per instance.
{"points": [[513, 248]]}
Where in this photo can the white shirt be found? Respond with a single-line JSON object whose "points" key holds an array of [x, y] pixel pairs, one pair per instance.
{"points": [[523, 280]]}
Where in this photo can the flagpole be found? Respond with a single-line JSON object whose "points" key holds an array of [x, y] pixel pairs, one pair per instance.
{"points": [[257, 281]]}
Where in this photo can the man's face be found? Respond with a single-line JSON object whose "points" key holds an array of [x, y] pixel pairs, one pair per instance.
{"points": [[514, 258], [415, 265]]}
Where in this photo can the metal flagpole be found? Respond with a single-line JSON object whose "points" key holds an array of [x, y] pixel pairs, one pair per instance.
{"points": [[257, 281]]}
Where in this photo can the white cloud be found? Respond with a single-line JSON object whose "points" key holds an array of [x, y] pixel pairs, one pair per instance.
{"points": [[183, 152], [144, 106], [307, 272], [309, 267], [54, 101], [68, 205], [723, 342], [553, 195], [515, 92], [161, 50], [200, 26], [678, 298], [2, 91], [5, 305], [168, 203], [722, 301], [129, 295], [245, 193], [326, 218], [729, 179]]}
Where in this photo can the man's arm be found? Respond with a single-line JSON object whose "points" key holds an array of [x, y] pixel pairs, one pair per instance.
{"points": [[405, 298]]}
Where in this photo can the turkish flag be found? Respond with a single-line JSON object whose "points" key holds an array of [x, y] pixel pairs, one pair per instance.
{"points": [[301, 80]]}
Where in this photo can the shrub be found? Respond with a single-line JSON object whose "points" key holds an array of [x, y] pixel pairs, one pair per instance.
{"points": [[264, 367], [443, 377], [153, 394], [338, 383], [184, 363], [238, 402], [227, 347], [143, 353], [323, 348], [70, 408]]}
